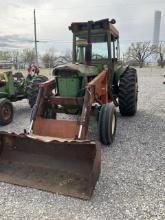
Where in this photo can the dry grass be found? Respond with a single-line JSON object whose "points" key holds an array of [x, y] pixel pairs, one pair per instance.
{"points": [[43, 71]]}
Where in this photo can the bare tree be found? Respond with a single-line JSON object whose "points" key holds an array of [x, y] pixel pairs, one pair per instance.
{"points": [[68, 55], [49, 58], [140, 51], [28, 56], [15, 56]]}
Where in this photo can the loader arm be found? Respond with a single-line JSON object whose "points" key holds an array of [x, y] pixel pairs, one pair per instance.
{"points": [[95, 91]]}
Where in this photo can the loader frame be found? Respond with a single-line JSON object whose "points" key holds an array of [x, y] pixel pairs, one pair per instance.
{"points": [[95, 91]]}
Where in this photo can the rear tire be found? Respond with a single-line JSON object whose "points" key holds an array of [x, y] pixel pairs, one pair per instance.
{"points": [[128, 93], [6, 112], [107, 123], [33, 89]]}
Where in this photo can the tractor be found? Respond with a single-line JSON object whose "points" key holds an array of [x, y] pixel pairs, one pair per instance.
{"points": [[15, 87], [55, 154]]}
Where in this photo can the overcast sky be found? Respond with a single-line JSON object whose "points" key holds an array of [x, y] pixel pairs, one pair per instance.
{"points": [[135, 20]]}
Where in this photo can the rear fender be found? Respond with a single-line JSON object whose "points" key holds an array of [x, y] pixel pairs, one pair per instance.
{"points": [[119, 72]]}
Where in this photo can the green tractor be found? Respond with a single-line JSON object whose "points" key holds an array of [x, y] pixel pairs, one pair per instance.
{"points": [[15, 87], [95, 49]]}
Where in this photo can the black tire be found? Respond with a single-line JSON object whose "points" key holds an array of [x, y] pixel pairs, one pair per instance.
{"points": [[33, 88], [128, 93], [6, 112], [107, 124]]}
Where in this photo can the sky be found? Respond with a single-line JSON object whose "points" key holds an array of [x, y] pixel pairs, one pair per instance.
{"points": [[134, 20]]}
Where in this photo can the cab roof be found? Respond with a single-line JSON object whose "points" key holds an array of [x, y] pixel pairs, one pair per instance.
{"points": [[98, 30]]}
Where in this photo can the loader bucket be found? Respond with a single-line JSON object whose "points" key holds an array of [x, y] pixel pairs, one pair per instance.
{"points": [[67, 167]]}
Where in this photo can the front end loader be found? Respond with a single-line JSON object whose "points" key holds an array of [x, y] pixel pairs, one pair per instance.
{"points": [[56, 154]]}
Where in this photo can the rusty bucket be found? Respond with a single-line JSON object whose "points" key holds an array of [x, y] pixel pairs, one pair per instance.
{"points": [[65, 166]]}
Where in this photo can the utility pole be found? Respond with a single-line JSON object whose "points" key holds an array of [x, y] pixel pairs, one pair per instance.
{"points": [[35, 37]]}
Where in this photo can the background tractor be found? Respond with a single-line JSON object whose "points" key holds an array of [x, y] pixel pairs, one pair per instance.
{"points": [[14, 87], [55, 154]]}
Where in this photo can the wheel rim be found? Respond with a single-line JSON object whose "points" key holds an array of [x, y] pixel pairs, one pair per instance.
{"points": [[6, 112], [113, 124]]}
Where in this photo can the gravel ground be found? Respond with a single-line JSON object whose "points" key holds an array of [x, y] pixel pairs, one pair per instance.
{"points": [[132, 180]]}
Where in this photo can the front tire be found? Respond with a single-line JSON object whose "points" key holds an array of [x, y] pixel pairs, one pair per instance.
{"points": [[6, 112], [128, 93], [107, 123]]}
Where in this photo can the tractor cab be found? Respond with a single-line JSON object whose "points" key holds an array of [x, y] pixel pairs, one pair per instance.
{"points": [[95, 43], [95, 48]]}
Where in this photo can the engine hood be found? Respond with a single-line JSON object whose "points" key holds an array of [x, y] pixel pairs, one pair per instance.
{"points": [[78, 69]]}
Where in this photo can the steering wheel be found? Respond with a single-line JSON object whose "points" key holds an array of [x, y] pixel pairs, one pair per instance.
{"points": [[97, 57]]}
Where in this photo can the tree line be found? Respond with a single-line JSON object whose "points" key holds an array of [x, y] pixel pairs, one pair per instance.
{"points": [[27, 56], [137, 54]]}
